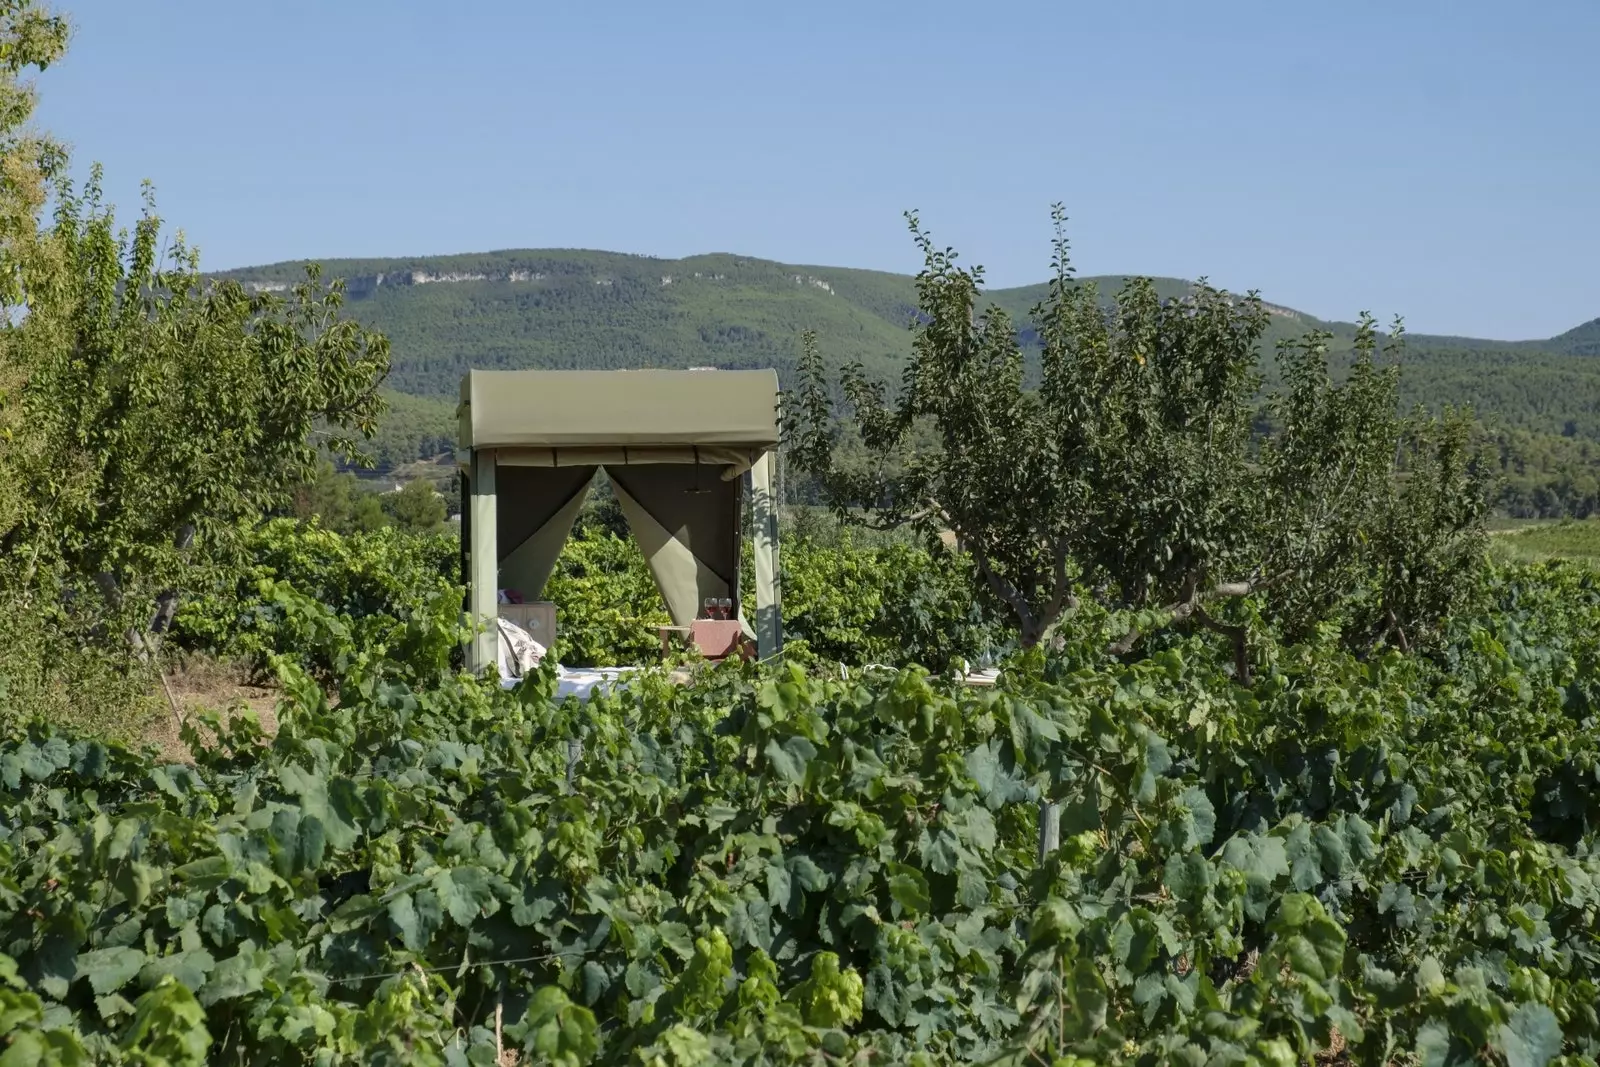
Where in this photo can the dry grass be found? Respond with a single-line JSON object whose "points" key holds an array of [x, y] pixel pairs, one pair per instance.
{"points": [[1337, 1051]]}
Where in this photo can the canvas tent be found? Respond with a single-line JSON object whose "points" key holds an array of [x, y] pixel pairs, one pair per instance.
{"points": [[677, 446]]}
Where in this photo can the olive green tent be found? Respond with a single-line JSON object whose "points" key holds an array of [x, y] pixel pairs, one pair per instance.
{"points": [[678, 447]]}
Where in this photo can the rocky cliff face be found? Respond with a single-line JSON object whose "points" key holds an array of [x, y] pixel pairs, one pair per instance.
{"points": [[361, 285]]}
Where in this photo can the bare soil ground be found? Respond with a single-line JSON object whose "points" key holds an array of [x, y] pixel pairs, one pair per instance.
{"points": [[218, 686]]}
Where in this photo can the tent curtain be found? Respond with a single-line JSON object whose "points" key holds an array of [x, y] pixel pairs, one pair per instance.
{"points": [[686, 520], [537, 507]]}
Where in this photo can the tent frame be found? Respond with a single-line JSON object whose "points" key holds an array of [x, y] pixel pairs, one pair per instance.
{"points": [[714, 420]]}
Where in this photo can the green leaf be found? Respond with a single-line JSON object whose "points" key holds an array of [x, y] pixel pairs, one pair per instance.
{"points": [[58, 964], [109, 1008], [1433, 1045], [1358, 839], [1149, 991], [980, 830], [676, 936], [1260, 859], [807, 874], [595, 982], [189, 968], [109, 969], [1188, 876], [1532, 1038], [1191, 825], [205, 874], [556, 1031], [238, 976], [941, 852], [909, 889], [1430, 976], [312, 789], [983, 765], [750, 923], [790, 758], [1334, 849], [1080, 814], [403, 913], [1135, 941], [1305, 861], [1398, 902], [135, 880], [465, 893], [1087, 993], [780, 888], [311, 844], [36, 761]]}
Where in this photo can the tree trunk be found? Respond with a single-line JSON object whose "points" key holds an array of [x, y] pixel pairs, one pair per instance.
{"points": [[111, 589], [1029, 633], [167, 600]]}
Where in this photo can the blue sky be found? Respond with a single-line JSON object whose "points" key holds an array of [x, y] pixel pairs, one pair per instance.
{"points": [[1433, 158]]}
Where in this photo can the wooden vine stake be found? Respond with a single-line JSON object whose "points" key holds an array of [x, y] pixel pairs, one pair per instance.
{"points": [[1049, 828]]}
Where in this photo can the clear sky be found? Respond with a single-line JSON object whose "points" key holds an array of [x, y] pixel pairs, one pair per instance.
{"points": [[1434, 158]]}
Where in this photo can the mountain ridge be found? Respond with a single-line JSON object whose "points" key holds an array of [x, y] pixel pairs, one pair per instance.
{"points": [[363, 275]]}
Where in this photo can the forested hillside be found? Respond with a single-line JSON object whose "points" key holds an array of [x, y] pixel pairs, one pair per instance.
{"points": [[558, 308], [1581, 341], [555, 309]]}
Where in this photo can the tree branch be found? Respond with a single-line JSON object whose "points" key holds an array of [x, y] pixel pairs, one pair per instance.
{"points": [[1191, 604], [1179, 610], [1391, 625], [892, 524], [110, 589], [1235, 633], [1033, 626], [1064, 599]]}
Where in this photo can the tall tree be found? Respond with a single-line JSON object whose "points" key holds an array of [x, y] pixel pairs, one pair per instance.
{"points": [[417, 506], [31, 39], [146, 414], [173, 409], [1131, 469]]}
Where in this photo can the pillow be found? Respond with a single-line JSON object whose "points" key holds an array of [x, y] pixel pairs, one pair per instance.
{"points": [[519, 652]]}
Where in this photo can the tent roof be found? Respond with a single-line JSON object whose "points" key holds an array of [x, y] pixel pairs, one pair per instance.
{"points": [[635, 408]]}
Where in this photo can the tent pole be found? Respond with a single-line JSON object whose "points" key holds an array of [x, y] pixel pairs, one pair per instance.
{"points": [[484, 579], [764, 505]]}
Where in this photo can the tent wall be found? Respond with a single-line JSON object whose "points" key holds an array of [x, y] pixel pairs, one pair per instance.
{"points": [[686, 520]]}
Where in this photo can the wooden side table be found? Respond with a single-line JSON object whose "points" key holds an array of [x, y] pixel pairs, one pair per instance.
{"points": [[671, 634]]}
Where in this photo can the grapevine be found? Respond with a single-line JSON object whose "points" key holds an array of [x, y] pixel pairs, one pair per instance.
{"points": [[1386, 857]]}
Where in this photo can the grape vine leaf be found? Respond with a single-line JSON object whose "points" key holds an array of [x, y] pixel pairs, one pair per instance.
{"points": [[1532, 1038], [789, 759], [109, 969]]}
